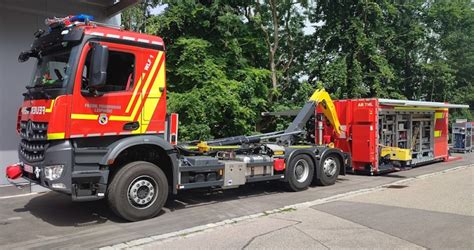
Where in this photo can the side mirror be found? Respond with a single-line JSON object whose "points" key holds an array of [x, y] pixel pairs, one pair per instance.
{"points": [[24, 56], [98, 66]]}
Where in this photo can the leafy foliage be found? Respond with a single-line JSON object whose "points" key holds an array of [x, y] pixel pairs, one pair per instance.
{"points": [[230, 60], [136, 18]]}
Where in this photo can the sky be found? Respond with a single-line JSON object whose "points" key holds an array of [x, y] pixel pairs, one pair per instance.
{"points": [[158, 9]]}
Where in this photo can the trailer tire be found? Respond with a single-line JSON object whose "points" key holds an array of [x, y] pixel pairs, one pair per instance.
{"points": [[138, 191], [300, 172], [330, 165]]}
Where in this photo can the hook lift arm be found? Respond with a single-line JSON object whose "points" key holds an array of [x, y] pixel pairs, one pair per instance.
{"points": [[319, 96]]}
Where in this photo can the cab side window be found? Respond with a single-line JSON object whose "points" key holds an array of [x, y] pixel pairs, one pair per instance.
{"points": [[120, 72]]}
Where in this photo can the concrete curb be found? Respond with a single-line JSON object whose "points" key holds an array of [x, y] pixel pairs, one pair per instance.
{"points": [[203, 228]]}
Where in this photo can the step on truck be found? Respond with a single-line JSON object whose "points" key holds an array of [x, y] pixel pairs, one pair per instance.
{"points": [[94, 125]]}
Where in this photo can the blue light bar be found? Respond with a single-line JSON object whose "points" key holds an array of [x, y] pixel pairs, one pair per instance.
{"points": [[81, 18]]}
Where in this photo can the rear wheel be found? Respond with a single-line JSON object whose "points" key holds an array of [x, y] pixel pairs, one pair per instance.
{"points": [[330, 166], [138, 191], [300, 172]]}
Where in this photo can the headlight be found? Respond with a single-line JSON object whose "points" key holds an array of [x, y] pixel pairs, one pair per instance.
{"points": [[53, 172], [58, 185]]}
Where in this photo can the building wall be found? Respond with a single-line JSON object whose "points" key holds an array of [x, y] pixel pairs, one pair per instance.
{"points": [[19, 19]]}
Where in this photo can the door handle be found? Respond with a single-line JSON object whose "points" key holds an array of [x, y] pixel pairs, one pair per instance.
{"points": [[131, 126]]}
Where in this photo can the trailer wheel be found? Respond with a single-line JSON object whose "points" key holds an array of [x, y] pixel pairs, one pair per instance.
{"points": [[330, 166], [138, 191], [300, 172]]}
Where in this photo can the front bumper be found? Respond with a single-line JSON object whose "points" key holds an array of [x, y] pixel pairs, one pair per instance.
{"points": [[83, 181], [58, 153]]}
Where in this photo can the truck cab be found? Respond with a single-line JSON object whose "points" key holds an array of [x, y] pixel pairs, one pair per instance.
{"points": [[92, 86], [94, 125]]}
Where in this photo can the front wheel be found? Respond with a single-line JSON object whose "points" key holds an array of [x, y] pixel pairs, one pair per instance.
{"points": [[330, 166], [138, 191]]}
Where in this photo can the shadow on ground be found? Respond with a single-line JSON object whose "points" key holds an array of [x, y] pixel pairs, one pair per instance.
{"points": [[58, 209]]}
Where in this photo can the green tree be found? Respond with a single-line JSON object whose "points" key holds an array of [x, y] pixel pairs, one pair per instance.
{"points": [[281, 24], [215, 76], [451, 39], [404, 45], [229, 60], [349, 47], [135, 18]]}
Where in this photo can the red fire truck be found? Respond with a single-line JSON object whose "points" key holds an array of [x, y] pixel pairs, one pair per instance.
{"points": [[94, 125]]}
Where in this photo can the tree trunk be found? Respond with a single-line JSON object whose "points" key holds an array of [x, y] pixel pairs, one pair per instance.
{"points": [[273, 69]]}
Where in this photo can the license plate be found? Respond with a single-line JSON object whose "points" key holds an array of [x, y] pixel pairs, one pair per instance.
{"points": [[28, 168]]}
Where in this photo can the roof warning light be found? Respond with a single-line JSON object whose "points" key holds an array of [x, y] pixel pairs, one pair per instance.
{"points": [[68, 20]]}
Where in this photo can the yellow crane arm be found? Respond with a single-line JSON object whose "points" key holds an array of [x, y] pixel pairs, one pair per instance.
{"points": [[319, 97], [322, 97]]}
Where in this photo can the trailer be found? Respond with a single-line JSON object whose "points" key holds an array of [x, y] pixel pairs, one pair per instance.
{"points": [[462, 136], [385, 134]]}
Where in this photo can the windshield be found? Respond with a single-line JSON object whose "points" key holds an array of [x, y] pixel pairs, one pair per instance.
{"points": [[52, 70]]}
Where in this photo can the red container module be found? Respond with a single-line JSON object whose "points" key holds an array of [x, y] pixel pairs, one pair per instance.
{"points": [[368, 125]]}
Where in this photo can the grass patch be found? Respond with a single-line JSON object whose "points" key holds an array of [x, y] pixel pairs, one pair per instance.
{"points": [[285, 210]]}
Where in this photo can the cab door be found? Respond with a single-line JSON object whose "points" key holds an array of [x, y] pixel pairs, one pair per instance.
{"points": [[116, 109]]}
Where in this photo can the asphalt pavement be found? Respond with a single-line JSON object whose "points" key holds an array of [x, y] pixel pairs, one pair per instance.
{"points": [[51, 220], [434, 212]]}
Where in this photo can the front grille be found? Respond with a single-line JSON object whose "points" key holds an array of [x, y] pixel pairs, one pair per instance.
{"points": [[34, 140]]}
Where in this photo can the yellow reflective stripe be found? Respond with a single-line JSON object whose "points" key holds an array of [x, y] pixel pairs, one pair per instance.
{"points": [[127, 118], [140, 121], [439, 115], [135, 93], [152, 73], [153, 98], [55, 136], [158, 83], [48, 110], [437, 133], [147, 83], [120, 118], [84, 116]]}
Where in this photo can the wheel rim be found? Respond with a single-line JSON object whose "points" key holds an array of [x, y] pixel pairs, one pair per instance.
{"points": [[301, 170], [330, 166], [142, 192]]}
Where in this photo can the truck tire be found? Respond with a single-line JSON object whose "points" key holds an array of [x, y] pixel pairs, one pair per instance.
{"points": [[300, 172], [138, 191], [330, 166]]}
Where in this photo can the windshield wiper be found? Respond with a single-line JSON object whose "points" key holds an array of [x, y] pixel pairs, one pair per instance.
{"points": [[40, 87], [53, 85], [28, 93]]}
